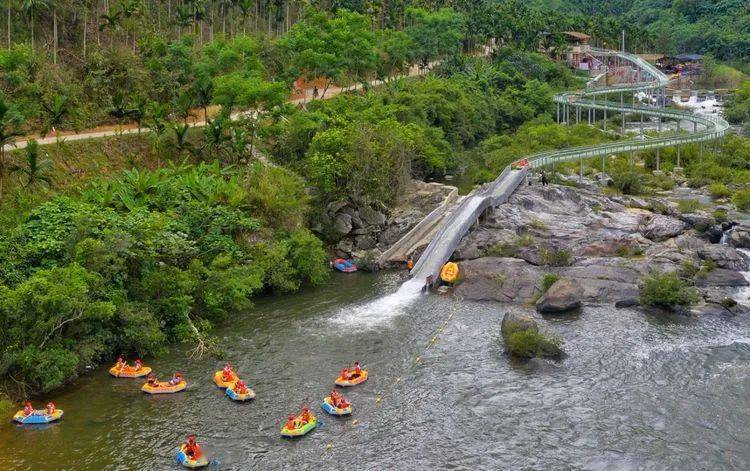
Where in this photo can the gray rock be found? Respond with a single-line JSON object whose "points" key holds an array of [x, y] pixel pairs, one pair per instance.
{"points": [[740, 239], [713, 234], [348, 210], [343, 223], [701, 221], [371, 217], [709, 309], [357, 223], [724, 256], [390, 235], [624, 303], [335, 206], [345, 246], [364, 242], [658, 227], [721, 277], [563, 296], [499, 279]]}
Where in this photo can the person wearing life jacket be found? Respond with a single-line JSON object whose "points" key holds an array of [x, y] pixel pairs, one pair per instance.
{"points": [[305, 417], [335, 398], [409, 264], [121, 364], [151, 380], [138, 364], [345, 373], [176, 379], [240, 387], [50, 408], [28, 409], [343, 403], [291, 423], [357, 371], [192, 449], [226, 373]]}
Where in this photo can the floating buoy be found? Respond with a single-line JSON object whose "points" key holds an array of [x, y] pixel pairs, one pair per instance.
{"points": [[378, 399], [329, 446]]}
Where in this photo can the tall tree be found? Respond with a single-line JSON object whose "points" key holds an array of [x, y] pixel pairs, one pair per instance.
{"points": [[31, 7], [10, 121]]}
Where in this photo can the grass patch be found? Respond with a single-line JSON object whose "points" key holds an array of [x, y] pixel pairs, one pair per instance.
{"points": [[741, 199], [689, 206], [538, 224], [530, 343], [555, 257], [548, 280], [719, 190], [629, 251], [721, 216]]}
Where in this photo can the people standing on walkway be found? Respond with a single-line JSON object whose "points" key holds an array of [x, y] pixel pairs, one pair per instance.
{"points": [[544, 179]]}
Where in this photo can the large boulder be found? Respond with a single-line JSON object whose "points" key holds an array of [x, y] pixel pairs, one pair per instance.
{"points": [[343, 223], [499, 279], [563, 296], [658, 227], [740, 238], [371, 217], [699, 220], [364, 242], [724, 256]]}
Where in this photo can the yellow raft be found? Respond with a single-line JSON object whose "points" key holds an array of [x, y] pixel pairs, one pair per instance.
{"points": [[164, 387], [129, 372], [38, 417], [219, 380], [188, 462], [352, 381], [449, 273]]}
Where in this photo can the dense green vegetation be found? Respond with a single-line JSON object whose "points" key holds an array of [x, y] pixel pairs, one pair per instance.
{"points": [[694, 26], [150, 257]]}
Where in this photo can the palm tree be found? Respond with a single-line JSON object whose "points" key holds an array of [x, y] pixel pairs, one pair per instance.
{"points": [[10, 122], [180, 137], [55, 113], [110, 20], [203, 92], [30, 7], [35, 169], [246, 6]]}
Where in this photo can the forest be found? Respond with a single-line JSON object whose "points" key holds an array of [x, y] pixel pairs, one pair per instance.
{"points": [[128, 244]]}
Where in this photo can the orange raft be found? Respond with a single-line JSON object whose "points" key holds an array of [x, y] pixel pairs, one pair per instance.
{"points": [[219, 380], [352, 381], [129, 371], [164, 387], [449, 273]]}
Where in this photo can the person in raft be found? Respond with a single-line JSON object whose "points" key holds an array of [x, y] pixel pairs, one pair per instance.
{"points": [[151, 380], [240, 387], [305, 417], [138, 364], [226, 372], [338, 400], [121, 364], [51, 408], [357, 371], [291, 423], [192, 449], [28, 409], [176, 379]]}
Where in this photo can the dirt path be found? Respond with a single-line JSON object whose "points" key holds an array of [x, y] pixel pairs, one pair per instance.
{"points": [[131, 128]]}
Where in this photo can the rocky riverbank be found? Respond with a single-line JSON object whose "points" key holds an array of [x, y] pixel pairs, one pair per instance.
{"points": [[363, 232], [600, 248]]}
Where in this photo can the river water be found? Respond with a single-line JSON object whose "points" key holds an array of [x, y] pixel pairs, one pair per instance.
{"points": [[636, 392]]}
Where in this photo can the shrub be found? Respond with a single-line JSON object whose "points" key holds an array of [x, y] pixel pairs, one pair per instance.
{"points": [[689, 205], [548, 280], [667, 291], [721, 216], [555, 257], [628, 182], [629, 251], [530, 343], [719, 190], [741, 199]]}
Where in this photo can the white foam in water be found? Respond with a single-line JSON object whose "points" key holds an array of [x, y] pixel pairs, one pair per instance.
{"points": [[381, 310], [743, 294]]}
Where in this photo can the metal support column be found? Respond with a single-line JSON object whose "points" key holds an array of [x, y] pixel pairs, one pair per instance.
{"points": [[558, 113], [658, 159], [678, 155], [580, 179]]}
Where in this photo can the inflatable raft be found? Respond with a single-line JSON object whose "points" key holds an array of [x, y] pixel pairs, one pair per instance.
{"points": [[38, 417], [352, 381], [331, 409], [250, 394], [449, 273], [219, 380], [129, 372], [300, 431], [164, 387], [345, 266], [187, 462]]}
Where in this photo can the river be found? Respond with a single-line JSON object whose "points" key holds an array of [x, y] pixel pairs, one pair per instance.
{"points": [[636, 392]]}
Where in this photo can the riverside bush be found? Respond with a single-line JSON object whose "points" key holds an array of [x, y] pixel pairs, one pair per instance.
{"points": [[719, 190], [530, 344], [667, 291], [741, 199]]}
